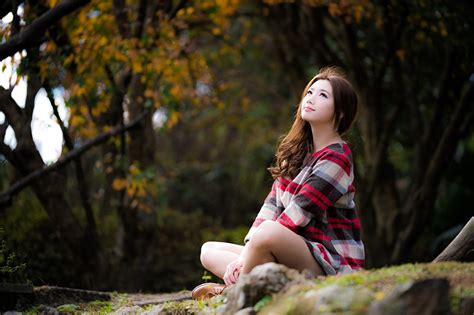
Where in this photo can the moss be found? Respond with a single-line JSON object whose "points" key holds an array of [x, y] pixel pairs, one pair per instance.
{"points": [[360, 289], [194, 307], [262, 302], [68, 308]]}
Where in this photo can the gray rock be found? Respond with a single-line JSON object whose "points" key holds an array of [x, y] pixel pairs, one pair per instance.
{"points": [[332, 299], [246, 311], [340, 299], [127, 310], [12, 313], [46, 310], [262, 280], [430, 297]]}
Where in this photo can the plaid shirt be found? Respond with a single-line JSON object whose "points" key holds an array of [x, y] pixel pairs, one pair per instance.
{"points": [[318, 204]]}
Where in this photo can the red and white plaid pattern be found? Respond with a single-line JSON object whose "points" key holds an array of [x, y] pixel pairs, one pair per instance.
{"points": [[318, 204]]}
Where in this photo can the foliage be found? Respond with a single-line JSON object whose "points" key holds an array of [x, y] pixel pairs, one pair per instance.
{"points": [[11, 269]]}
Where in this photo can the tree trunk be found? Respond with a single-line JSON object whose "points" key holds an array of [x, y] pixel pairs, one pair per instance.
{"points": [[462, 247]]}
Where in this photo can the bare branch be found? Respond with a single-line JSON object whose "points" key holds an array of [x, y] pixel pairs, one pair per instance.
{"points": [[6, 196], [13, 113], [29, 35], [32, 89], [3, 129]]}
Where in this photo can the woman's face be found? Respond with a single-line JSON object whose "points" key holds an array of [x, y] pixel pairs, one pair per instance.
{"points": [[317, 107]]}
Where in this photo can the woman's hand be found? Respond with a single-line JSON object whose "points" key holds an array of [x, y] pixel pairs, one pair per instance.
{"points": [[233, 271]]}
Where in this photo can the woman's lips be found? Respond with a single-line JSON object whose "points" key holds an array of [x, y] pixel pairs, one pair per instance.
{"points": [[308, 109]]}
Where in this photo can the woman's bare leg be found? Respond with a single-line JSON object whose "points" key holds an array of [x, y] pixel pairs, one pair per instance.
{"points": [[274, 242], [215, 256]]}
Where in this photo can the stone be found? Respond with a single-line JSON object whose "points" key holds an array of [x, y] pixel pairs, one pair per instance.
{"points": [[46, 310], [423, 297], [263, 280], [246, 311], [156, 310], [341, 299], [332, 299], [126, 310]]}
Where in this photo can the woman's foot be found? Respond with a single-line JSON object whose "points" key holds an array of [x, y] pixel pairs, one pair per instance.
{"points": [[207, 290]]}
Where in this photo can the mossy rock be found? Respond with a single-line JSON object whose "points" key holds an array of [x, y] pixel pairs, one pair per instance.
{"points": [[351, 293]]}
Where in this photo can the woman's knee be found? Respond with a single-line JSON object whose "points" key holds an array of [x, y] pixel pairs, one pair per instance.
{"points": [[204, 252], [266, 234]]}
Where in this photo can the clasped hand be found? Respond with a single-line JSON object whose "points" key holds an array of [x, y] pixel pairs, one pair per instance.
{"points": [[233, 271]]}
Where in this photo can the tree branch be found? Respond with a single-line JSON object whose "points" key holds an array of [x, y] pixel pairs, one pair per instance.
{"points": [[13, 113], [461, 247], [6, 196], [3, 129], [29, 35]]}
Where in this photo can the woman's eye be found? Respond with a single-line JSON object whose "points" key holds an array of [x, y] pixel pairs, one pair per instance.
{"points": [[323, 95], [309, 92]]}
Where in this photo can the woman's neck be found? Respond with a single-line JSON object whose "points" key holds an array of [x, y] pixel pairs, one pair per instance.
{"points": [[324, 136]]}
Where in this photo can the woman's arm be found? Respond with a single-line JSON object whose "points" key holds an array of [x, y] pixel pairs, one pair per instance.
{"points": [[268, 211]]}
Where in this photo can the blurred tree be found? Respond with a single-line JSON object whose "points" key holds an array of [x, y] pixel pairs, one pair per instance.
{"points": [[117, 61]]}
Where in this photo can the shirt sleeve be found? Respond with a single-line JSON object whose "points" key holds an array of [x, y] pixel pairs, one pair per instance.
{"points": [[329, 180], [268, 211]]}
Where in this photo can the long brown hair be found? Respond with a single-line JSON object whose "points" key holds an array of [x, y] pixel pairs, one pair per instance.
{"points": [[299, 141]]}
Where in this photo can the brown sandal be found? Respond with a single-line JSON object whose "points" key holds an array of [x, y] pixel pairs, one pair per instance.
{"points": [[207, 290]]}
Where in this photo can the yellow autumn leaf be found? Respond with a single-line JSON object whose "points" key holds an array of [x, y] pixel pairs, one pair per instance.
{"points": [[173, 119], [52, 3], [141, 191], [333, 9], [137, 66], [149, 93], [88, 132], [77, 120], [131, 189], [400, 54], [358, 13], [133, 170], [119, 184]]}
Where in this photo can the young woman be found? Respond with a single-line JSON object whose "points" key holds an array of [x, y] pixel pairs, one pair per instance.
{"points": [[309, 219]]}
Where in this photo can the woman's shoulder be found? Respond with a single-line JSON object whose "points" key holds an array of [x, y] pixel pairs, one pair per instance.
{"points": [[335, 151]]}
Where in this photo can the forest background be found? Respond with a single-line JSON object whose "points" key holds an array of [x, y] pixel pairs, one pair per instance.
{"points": [[173, 113]]}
